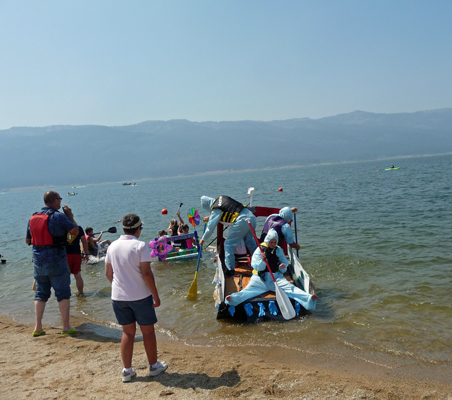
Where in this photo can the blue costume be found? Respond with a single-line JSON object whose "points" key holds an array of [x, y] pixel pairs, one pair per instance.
{"points": [[262, 282], [280, 222], [230, 212]]}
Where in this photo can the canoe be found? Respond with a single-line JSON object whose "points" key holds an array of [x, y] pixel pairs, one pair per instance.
{"points": [[225, 286], [389, 169]]}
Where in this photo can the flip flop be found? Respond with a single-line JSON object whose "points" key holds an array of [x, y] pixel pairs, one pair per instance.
{"points": [[41, 332], [69, 332]]}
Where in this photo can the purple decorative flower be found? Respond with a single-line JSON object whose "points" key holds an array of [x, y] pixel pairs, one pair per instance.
{"points": [[160, 248]]}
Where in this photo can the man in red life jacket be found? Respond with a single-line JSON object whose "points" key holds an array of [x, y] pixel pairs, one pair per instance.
{"points": [[47, 232]]}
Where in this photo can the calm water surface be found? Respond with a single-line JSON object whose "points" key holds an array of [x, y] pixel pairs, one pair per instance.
{"points": [[376, 244]]}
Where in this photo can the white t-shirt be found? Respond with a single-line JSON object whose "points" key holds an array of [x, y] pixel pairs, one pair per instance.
{"points": [[125, 256]]}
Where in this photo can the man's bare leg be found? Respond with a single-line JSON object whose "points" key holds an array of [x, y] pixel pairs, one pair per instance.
{"points": [[79, 282], [65, 306], [127, 341], [39, 313]]}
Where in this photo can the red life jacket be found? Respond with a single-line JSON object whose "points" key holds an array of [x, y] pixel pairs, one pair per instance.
{"points": [[40, 234]]}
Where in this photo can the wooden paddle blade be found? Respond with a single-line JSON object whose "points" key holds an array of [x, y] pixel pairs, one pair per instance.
{"points": [[193, 291], [284, 303]]}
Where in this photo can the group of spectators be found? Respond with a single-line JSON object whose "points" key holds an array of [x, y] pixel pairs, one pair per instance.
{"points": [[127, 266]]}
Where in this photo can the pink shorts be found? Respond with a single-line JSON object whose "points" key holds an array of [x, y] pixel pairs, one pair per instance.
{"points": [[75, 263]]}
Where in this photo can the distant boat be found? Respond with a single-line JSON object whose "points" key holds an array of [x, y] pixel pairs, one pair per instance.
{"points": [[126, 184]]}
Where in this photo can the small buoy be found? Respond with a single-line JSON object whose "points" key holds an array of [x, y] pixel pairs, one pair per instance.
{"points": [[335, 180], [280, 189], [118, 220], [378, 170], [164, 211]]}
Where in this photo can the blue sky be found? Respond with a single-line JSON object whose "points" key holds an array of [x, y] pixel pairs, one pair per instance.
{"points": [[124, 62]]}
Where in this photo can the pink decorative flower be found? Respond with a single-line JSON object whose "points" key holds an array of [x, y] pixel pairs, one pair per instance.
{"points": [[160, 248]]}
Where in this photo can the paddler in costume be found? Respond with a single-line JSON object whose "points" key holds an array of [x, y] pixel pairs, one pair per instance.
{"points": [[280, 223], [227, 211], [261, 281]]}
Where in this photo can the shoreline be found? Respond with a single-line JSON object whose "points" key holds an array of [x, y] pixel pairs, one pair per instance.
{"points": [[88, 365]]}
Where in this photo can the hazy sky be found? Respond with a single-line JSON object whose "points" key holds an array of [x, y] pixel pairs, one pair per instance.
{"points": [[124, 62]]}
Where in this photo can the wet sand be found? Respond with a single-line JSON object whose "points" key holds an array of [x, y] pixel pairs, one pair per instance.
{"points": [[88, 366]]}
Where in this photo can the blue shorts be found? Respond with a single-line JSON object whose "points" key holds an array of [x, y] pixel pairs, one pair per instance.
{"points": [[141, 311], [54, 275]]}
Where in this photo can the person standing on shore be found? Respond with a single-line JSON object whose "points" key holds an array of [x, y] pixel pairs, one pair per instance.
{"points": [[47, 232], [134, 295], [74, 256]]}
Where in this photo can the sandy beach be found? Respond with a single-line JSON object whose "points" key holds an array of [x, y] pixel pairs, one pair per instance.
{"points": [[88, 365]]}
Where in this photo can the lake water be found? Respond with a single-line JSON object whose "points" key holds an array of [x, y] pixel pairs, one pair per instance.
{"points": [[376, 244]]}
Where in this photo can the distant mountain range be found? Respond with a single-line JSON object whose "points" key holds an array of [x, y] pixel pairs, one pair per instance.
{"points": [[77, 155]]}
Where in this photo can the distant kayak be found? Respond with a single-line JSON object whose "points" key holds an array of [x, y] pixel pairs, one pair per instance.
{"points": [[389, 169]]}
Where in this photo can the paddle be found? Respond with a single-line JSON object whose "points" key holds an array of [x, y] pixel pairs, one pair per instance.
{"points": [[110, 230], [295, 226], [286, 307], [193, 291], [181, 204]]}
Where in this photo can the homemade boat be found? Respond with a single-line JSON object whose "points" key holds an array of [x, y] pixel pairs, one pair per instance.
{"points": [[251, 309], [183, 254]]}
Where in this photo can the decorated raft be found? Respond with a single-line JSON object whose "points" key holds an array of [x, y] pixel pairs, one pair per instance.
{"points": [[264, 306], [164, 250]]}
